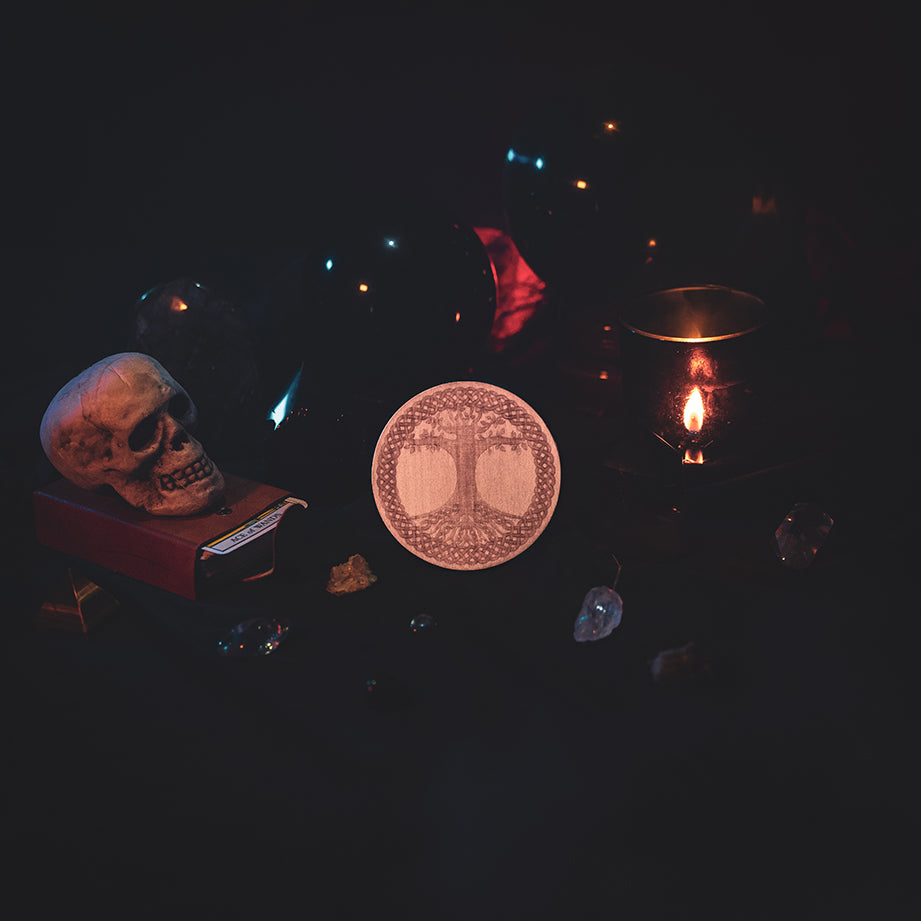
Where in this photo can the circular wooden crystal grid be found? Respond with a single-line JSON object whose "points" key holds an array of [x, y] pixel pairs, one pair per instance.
{"points": [[466, 475]]}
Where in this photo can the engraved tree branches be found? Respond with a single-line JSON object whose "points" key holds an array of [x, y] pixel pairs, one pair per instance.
{"points": [[466, 518]]}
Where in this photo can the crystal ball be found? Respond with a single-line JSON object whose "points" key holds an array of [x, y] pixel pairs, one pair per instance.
{"points": [[390, 296], [202, 337], [323, 451]]}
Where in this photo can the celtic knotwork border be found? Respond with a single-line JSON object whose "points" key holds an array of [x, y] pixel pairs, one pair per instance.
{"points": [[521, 530]]}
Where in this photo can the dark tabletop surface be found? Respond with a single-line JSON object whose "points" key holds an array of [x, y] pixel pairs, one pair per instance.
{"points": [[516, 773]]}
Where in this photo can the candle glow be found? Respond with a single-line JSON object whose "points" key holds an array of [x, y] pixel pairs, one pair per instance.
{"points": [[694, 412]]}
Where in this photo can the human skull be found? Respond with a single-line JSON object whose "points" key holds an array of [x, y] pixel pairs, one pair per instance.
{"points": [[124, 422]]}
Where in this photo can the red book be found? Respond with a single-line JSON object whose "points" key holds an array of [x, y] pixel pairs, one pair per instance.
{"points": [[232, 541]]}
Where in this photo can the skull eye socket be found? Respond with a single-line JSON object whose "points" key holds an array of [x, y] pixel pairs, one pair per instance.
{"points": [[143, 433], [179, 405]]}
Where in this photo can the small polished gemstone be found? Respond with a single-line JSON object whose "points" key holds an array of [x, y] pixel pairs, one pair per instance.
{"points": [[260, 636], [600, 613], [801, 535], [422, 622]]}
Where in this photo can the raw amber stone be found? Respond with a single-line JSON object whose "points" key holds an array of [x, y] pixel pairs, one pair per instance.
{"points": [[351, 576]]}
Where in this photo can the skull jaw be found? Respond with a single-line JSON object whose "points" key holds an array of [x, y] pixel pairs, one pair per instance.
{"points": [[189, 500]]}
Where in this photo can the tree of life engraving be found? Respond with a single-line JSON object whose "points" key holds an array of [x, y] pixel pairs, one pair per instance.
{"points": [[472, 437], [466, 475]]}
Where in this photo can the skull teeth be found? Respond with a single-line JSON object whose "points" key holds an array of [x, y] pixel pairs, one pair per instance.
{"points": [[180, 479]]}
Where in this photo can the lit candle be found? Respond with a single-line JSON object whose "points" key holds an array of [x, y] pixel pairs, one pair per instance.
{"points": [[688, 355], [694, 412], [694, 422]]}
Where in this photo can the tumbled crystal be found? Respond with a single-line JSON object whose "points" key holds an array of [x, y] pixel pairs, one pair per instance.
{"points": [[257, 637], [801, 534], [600, 614], [422, 622]]}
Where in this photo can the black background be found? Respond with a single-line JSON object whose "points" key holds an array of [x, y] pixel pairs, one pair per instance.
{"points": [[179, 141], [148, 143]]}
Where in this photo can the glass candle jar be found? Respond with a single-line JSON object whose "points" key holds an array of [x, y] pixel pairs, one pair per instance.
{"points": [[689, 359]]}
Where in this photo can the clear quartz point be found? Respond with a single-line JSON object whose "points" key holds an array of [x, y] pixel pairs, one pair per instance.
{"points": [[601, 612], [260, 636], [801, 534]]}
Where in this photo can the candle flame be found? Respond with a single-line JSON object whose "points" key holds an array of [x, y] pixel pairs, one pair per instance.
{"points": [[694, 411], [177, 305]]}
